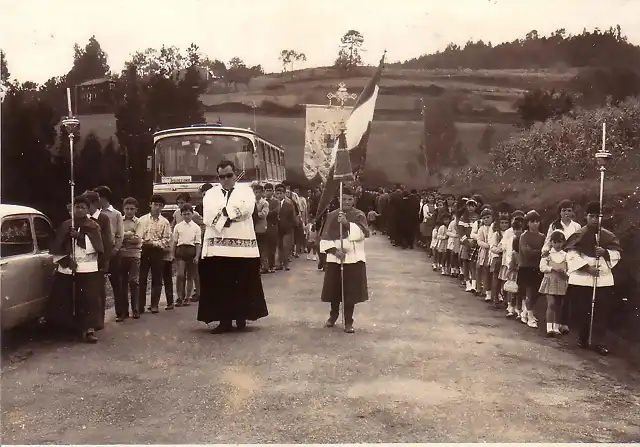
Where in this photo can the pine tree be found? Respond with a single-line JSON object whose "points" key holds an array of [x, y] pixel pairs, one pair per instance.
{"points": [[134, 135], [90, 163], [484, 145]]}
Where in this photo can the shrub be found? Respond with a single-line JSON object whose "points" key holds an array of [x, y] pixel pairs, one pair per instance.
{"points": [[564, 149]]}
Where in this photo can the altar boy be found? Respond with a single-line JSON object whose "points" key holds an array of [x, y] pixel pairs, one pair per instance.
{"points": [[351, 254]]}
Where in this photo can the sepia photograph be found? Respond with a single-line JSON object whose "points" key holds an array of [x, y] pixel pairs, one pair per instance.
{"points": [[319, 222]]}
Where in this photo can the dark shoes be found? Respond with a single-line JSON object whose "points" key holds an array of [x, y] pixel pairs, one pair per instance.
{"points": [[222, 328], [599, 349], [90, 337], [225, 327], [348, 328]]}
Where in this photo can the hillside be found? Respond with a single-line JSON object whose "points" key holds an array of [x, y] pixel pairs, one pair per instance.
{"points": [[484, 96]]}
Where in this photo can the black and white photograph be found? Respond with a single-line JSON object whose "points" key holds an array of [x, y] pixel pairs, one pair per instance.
{"points": [[319, 222]]}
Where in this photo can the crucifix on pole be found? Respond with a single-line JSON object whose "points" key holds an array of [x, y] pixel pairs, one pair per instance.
{"points": [[342, 95]]}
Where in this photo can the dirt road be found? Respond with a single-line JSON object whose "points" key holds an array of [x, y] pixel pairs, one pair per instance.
{"points": [[428, 363]]}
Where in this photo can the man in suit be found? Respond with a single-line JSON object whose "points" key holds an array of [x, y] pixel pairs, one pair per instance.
{"points": [[272, 226], [104, 222], [286, 226], [395, 205]]}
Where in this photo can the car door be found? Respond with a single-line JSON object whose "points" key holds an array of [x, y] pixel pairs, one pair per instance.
{"points": [[18, 266], [44, 236]]}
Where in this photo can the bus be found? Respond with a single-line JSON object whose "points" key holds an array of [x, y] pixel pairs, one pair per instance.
{"points": [[185, 158]]}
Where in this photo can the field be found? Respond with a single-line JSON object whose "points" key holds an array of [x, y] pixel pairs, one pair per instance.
{"points": [[487, 95], [392, 145]]}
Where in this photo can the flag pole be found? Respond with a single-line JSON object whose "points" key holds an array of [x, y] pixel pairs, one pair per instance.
{"points": [[342, 262], [602, 158], [342, 171]]}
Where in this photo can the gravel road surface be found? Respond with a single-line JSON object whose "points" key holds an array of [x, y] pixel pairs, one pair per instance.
{"points": [[428, 363]]}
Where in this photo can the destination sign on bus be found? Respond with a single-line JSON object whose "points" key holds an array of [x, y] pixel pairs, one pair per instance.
{"points": [[176, 179]]}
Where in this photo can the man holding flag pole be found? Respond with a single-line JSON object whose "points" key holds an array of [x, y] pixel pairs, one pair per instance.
{"points": [[344, 230]]}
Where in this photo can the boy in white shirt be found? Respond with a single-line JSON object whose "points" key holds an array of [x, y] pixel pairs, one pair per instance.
{"points": [[187, 243]]}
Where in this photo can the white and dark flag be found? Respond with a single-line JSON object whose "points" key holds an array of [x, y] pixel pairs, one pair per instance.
{"points": [[358, 128]]}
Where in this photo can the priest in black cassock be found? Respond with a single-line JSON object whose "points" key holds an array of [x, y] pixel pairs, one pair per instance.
{"points": [[230, 281]]}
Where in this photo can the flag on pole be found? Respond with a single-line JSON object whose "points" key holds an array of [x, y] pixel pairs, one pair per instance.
{"points": [[357, 132], [342, 170]]}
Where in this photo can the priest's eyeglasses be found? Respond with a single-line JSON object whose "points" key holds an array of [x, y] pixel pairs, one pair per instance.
{"points": [[224, 176]]}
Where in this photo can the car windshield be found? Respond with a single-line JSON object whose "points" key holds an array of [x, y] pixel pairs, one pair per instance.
{"points": [[194, 158]]}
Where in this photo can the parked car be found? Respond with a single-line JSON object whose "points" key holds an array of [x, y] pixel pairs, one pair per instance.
{"points": [[26, 266]]}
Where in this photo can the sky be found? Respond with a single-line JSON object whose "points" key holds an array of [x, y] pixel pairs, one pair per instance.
{"points": [[38, 35]]}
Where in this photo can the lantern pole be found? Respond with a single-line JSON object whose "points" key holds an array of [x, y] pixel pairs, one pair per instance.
{"points": [[603, 156]]}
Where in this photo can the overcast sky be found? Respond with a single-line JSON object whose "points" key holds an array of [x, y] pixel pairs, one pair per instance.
{"points": [[38, 35]]}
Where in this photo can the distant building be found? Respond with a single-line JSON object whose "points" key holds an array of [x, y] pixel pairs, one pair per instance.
{"points": [[96, 96]]}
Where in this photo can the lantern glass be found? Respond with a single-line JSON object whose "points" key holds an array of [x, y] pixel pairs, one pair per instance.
{"points": [[603, 158]]}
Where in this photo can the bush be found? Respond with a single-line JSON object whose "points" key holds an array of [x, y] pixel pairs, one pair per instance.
{"points": [[564, 149]]}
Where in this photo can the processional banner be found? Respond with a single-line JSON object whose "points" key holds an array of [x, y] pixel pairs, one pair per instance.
{"points": [[322, 127]]}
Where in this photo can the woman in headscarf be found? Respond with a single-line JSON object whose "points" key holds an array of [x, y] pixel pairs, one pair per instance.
{"points": [[75, 304]]}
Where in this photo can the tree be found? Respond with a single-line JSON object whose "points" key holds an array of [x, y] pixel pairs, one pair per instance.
{"points": [[113, 172], [89, 62], [4, 69], [484, 145], [28, 134], [440, 133], [541, 105], [134, 134], [236, 62], [459, 156], [588, 49], [595, 85], [350, 49], [89, 167], [216, 68], [288, 57], [164, 62], [239, 73], [412, 168]]}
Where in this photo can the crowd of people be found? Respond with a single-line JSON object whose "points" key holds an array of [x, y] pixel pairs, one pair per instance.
{"points": [[273, 225], [220, 248], [500, 254]]}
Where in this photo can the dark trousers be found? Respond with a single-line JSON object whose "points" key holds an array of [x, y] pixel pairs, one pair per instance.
{"points": [[103, 298], [167, 280], [581, 304], [285, 244], [114, 279], [263, 248], [152, 261], [348, 312], [299, 239], [271, 245], [565, 312], [129, 278], [406, 237], [322, 260]]}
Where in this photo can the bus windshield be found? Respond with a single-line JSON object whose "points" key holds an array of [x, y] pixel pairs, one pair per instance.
{"points": [[193, 158]]}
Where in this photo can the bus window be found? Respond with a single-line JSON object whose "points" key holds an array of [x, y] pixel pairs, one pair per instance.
{"points": [[272, 163], [263, 161]]}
